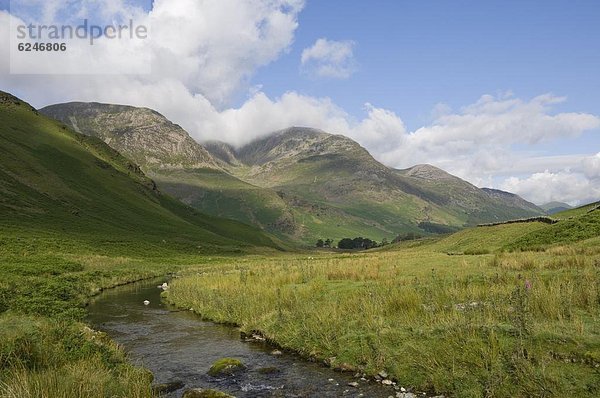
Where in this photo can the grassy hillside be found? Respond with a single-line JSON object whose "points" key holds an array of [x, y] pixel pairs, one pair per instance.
{"points": [[574, 226], [578, 211], [216, 192], [56, 181]]}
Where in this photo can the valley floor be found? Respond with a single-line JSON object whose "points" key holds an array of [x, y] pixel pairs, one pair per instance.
{"points": [[514, 324]]}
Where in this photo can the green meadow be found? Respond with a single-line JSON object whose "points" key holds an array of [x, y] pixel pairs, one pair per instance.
{"points": [[467, 315]]}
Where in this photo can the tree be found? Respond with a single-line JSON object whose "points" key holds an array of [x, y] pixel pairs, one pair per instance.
{"points": [[384, 242], [328, 242], [346, 243], [358, 243], [320, 243]]}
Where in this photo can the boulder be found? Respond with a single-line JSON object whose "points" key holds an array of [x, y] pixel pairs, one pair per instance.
{"points": [[166, 388], [226, 367]]}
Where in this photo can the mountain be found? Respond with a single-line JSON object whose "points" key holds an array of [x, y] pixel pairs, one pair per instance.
{"points": [[555, 207], [299, 183], [181, 166], [58, 183]]}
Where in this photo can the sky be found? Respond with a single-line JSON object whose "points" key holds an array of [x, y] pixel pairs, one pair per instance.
{"points": [[505, 94]]}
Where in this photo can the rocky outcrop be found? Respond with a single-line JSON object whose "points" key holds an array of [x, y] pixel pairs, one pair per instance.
{"points": [[141, 134]]}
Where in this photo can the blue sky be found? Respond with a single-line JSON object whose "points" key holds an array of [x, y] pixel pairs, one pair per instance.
{"points": [[501, 93], [415, 54]]}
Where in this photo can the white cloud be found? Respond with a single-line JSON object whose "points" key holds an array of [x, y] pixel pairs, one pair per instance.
{"points": [[546, 187], [479, 139], [329, 58], [212, 47], [205, 51], [591, 167]]}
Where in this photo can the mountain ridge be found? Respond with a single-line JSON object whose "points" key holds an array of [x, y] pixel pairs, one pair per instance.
{"points": [[299, 182]]}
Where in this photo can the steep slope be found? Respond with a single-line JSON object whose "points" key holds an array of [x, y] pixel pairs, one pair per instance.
{"points": [[179, 165], [512, 200], [57, 182]]}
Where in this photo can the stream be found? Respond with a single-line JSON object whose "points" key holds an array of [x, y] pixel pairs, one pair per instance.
{"points": [[179, 346]]}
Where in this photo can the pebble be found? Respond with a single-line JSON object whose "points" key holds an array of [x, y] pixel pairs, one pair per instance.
{"points": [[276, 352], [146, 302], [330, 380], [353, 384], [387, 382], [383, 374]]}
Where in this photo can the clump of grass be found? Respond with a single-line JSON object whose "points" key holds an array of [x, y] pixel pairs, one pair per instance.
{"points": [[40, 357]]}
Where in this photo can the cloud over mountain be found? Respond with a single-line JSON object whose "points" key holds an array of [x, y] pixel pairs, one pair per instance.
{"points": [[204, 54]]}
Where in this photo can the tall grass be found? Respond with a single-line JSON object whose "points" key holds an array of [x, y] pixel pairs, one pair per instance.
{"points": [[40, 357], [470, 326]]}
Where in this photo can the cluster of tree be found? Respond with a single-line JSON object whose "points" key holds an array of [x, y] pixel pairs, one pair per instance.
{"points": [[324, 243], [360, 243]]}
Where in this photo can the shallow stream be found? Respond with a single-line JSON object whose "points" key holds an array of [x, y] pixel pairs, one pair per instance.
{"points": [[179, 346]]}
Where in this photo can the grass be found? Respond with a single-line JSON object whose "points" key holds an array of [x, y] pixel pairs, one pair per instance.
{"points": [[40, 357], [495, 325]]}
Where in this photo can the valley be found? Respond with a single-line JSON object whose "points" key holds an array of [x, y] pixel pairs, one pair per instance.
{"points": [[506, 310]]}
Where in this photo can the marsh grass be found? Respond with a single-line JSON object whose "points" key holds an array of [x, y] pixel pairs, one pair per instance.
{"points": [[505, 325]]}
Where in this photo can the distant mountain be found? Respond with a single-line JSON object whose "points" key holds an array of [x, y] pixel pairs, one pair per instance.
{"points": [[59, 183], [512, 200], [301, 183], [337, 171], [555, 207]]}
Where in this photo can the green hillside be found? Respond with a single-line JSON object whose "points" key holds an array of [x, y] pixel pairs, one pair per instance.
{"points": [[578, 225], [578, 211], [180, 166], [216, 192], [77, 217], [54, 181]]}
